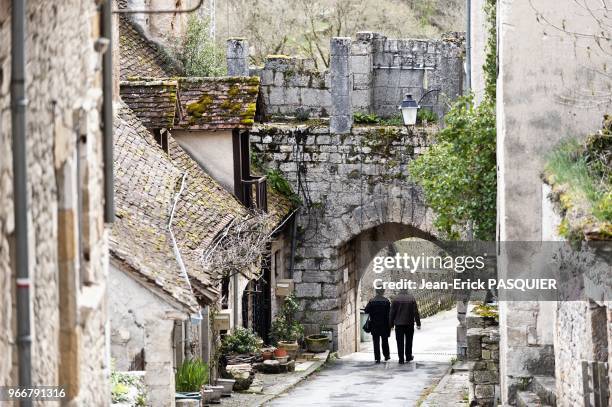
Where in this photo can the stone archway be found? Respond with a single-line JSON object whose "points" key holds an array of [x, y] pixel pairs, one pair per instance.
{"points": [[353, 186], [329, 268]]}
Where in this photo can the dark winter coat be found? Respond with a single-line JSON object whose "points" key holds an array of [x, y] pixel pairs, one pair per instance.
{"points": [[404, 311], [378, 311]]}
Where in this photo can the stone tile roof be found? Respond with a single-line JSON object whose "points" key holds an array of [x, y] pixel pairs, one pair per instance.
{"points": [[217, 103], [153, 101], [204, 210], [222, 103], [147, 180], [139, 56], [145, 185]]}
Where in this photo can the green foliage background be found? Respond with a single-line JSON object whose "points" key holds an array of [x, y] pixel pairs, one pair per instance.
{"points": [[458, 173], [198, 53]]}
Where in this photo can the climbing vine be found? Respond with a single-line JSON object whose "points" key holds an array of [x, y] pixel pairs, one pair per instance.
{"points": [[458, 173]]}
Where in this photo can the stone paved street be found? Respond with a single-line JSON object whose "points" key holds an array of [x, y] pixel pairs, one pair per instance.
{"points": [[355, 379]]}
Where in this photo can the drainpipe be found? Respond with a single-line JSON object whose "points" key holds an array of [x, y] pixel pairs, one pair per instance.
{"points": [[107, 112], [468, 46], [20, 200]]}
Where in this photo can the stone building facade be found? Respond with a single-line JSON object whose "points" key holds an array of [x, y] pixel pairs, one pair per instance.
{"points": [[67, 236], [543, 97]]}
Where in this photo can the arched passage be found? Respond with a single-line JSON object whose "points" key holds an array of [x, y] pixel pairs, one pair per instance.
{"points": [[356, 255]]}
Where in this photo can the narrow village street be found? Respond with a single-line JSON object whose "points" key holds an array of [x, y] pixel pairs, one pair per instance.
{"points": [[355, 379]]}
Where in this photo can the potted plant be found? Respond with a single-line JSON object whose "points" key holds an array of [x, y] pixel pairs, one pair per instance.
{"points": [[317, 343], [240, 342], [190, 378], [285, 329]]}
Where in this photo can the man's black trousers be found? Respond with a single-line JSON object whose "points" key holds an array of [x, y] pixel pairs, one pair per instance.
{"points": [[403, 336], [385, 346]]}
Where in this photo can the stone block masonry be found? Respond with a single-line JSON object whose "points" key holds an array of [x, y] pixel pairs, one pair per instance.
{"points": [[67, 238], [341, 118], [483, 357], [356, 191], [369, 74]]}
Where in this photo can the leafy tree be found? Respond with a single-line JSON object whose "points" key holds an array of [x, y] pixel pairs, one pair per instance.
{"points": [[198, 52], [458, 173]]}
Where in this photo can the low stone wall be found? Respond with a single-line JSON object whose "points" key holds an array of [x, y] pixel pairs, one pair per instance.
{"points": [[483, 357]]}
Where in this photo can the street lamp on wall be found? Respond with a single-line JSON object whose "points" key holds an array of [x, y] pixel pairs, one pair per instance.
{"points": [[409, 108]]}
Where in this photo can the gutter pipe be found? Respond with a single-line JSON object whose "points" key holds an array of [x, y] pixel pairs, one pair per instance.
{"points": [[107, 112], [163, 11], [20, 193]]}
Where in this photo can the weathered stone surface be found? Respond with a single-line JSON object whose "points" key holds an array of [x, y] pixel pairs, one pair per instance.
{"points": [[307, 290]]}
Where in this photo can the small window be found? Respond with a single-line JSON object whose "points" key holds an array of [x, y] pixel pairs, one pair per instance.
{"points": [[161, 136]]}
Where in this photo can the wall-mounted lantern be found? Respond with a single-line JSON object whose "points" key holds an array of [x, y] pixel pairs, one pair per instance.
{"points": [[409, 108]]}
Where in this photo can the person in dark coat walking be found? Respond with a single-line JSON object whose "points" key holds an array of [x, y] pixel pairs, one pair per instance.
{"points": [[404, 315], [378, 312]]}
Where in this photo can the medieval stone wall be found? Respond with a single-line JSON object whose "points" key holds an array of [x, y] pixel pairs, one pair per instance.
{"points": [[64, 100], [380, 71], [357, 198]]}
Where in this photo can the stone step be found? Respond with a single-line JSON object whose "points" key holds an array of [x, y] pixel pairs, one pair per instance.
{"points": [[545, 388], [529, 399]]}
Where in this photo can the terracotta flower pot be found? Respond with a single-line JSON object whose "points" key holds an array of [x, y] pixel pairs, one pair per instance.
{"points": [[280, 352], [267, 355], [291, 347]]}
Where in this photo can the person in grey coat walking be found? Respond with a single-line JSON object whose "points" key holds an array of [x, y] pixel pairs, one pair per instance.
{"points": [[404, 315], [378, 313]]}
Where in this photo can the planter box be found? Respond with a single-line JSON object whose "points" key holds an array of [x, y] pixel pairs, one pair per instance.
{"points": [[228, 385], [284, 287], [223, 320], [217, 391]]}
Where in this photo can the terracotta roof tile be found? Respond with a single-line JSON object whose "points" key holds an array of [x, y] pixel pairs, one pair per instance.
{"points": [[202, 103], [146, 181]]}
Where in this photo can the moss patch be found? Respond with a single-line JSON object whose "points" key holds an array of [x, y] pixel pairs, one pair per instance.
{"points": [[197, 109]]}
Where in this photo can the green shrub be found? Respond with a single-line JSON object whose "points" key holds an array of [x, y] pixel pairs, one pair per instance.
{"points": [[284, 326], [365, 118], [191, 376], [240, 341], [197, 51], [277, 182], [426, 116], [458, 173]]}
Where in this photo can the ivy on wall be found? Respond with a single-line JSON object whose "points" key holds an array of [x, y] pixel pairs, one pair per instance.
{"points": [[458, 173]]}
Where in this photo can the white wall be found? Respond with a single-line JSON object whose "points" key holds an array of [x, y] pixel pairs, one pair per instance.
{"points": [[140, 319], [213, 151]]}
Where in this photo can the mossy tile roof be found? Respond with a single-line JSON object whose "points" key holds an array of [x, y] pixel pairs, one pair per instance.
{"points": [[139, 56], [216, 103], [145, 185], [153, 102]]}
